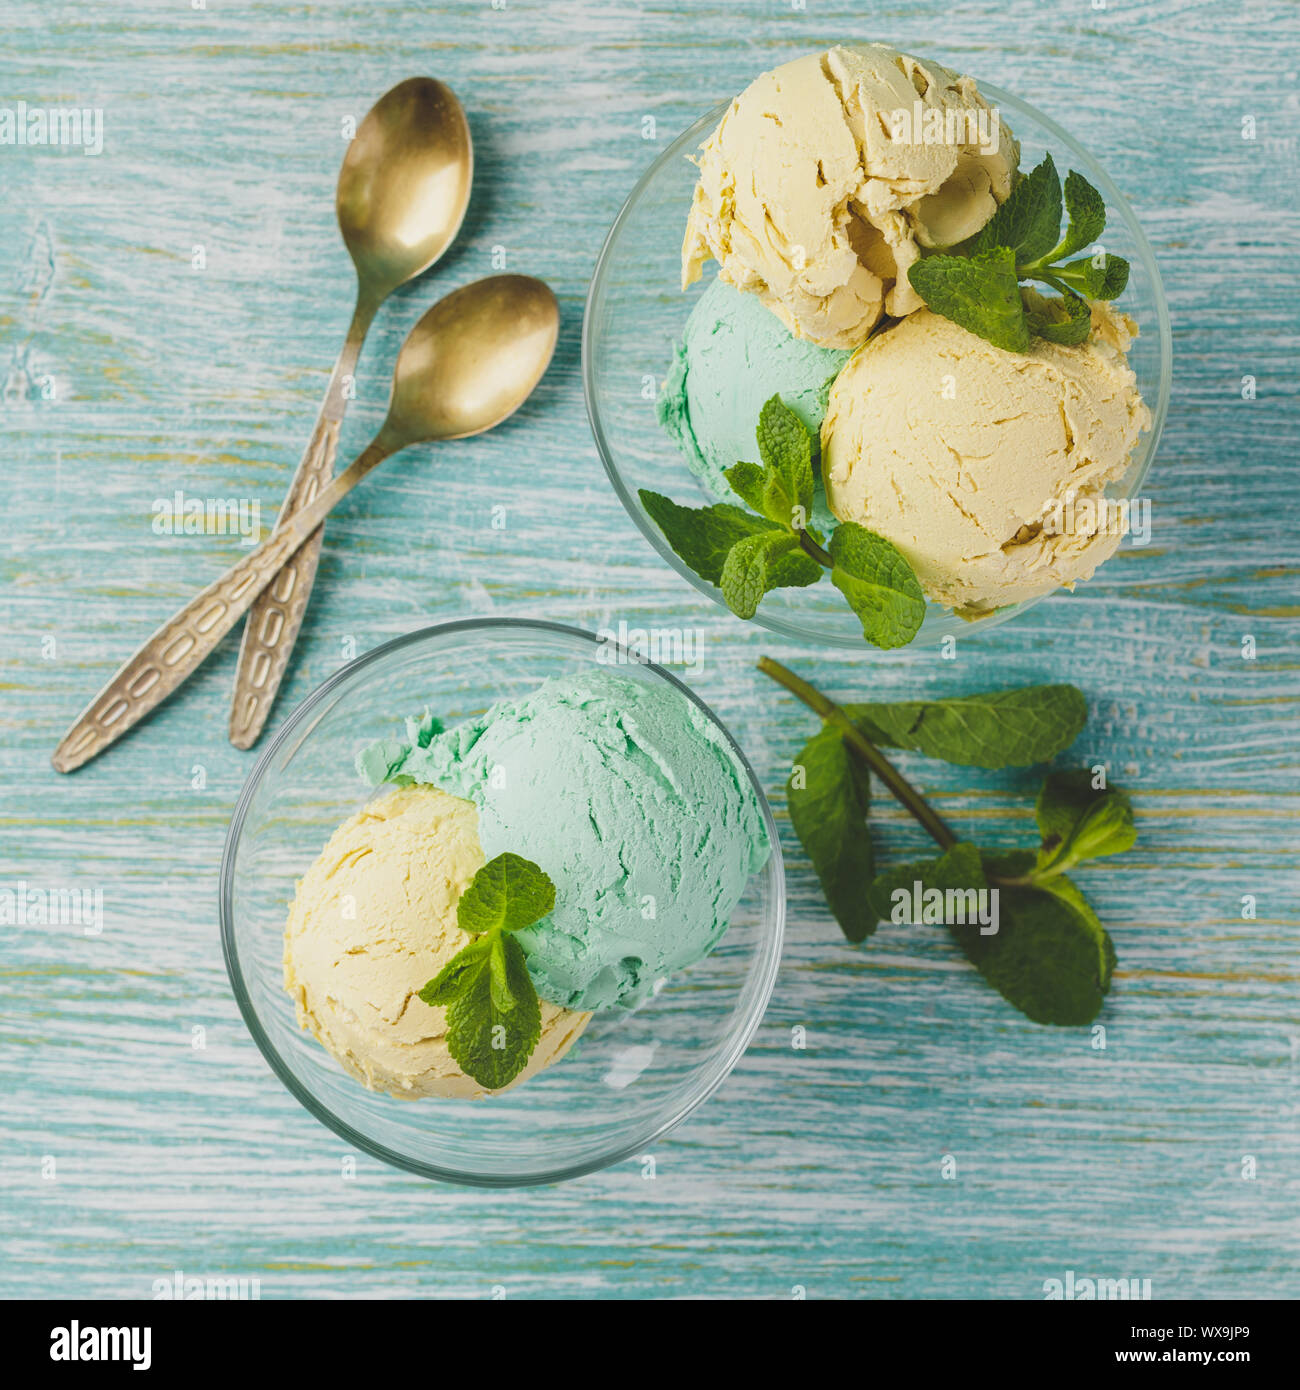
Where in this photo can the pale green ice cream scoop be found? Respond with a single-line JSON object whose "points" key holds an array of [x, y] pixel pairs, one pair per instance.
{"points": [[633, 802], [734, 356]]}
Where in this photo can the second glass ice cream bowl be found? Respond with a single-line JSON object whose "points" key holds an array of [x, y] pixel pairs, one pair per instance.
{"points": [[636, 311], [629, 1078]]}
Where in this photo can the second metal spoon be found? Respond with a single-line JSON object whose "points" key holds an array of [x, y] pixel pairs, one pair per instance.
{"points": [[402, 195]]}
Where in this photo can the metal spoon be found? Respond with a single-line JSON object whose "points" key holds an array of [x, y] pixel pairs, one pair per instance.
{"points": [[402, 195], [470, 362]]}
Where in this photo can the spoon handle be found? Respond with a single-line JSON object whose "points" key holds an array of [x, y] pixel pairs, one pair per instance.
{"points": [[277, 612], [185, 640]]}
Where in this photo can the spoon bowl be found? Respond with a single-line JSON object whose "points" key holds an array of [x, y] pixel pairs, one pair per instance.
{"points": [[405, 184], [472, 360]]}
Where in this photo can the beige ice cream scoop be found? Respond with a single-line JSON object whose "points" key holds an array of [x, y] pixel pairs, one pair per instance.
{"points": [[984, 467], [827, 175], [372, 922]]}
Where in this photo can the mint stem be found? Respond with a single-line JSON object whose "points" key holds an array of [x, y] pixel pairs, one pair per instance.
{"points": [[818, 553], [904, 792]]}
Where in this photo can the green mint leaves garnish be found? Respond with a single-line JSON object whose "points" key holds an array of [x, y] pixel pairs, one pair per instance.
{"points": [[1038, 943], [829, 790], [494, 1018], [1087, 210], [747, 554], [979, 286]]}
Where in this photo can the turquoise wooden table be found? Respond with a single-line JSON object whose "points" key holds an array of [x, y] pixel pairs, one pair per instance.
{"points": [[169, 310]]}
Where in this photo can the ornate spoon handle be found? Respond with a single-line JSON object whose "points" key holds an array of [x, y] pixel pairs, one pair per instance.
{"points": [[277, 612], [179, 647]]}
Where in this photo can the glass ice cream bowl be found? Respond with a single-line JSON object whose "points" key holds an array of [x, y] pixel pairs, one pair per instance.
{"points": [[636, 311], [629, 1078]]}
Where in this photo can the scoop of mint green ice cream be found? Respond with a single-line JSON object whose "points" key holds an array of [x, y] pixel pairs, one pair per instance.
{"points": [[633, 802], [734, 356]]}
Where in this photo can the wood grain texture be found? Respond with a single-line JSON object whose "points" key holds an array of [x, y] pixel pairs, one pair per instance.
{"points": [[818, 1168]]}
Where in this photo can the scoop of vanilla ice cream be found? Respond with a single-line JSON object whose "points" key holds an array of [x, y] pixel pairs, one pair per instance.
{"points": [[372, 922], [984, 467], [827, 175]]}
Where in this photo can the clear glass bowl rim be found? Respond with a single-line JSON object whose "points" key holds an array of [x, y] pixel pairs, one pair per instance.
{"points": [[769, 963], [688, 141]]}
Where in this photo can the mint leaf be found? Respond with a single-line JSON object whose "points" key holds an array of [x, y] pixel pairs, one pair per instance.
{"points": [[828, 809], [499, 985], [780, 502], [703, 536], [1029, 222], [459, 973], [507, 893], [747, 481], [1051, 958], [979, 292], [746, 556], [1079, 821], [1030, 932], [996, 728], [1087, 211], [879, 584], [791, 567], [782, 489], [1066, 320], [758, 564], [495, 1022], [1020, 241], [785, 446], [744, 575], [767, 492], [1098, 277], [1044, 951], [1113, 280], [892, 895]]}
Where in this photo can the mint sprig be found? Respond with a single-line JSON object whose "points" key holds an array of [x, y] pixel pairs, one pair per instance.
{"points": [[978, 285], [747, 554], [494, 1018], [1049, 956]]}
